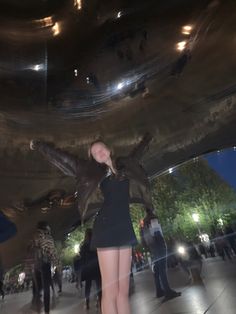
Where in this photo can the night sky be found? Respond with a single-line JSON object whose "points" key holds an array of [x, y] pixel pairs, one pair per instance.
{"points": [[224, 163]]}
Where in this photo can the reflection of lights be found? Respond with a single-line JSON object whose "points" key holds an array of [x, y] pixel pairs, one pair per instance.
{"points": [[56, 29], [195, 217], [76, 248], [204, 237], [181, 250], [220, 221], [45, 22], [78, 4], [37, 67], [186, 30], [234, 148], [75, 72], [218, 151], [120, 86], [181, 45], [87, 80], [119, 14], [21, 278], [170, 170]]}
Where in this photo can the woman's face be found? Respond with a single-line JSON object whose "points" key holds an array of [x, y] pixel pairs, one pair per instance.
{"points": [[100, 152]]}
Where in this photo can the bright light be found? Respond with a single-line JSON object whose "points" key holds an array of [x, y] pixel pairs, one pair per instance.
{"points": [[45, 22], [21, 278], [119, 14], [120, 86], [195, 217], [204, 238], [56, 29], [181, 250], [75, 72], [37, 67], [181, 45], [76, 248], [170, 170], [87, 80], [78, 4], [186, 30], [220, 221]]}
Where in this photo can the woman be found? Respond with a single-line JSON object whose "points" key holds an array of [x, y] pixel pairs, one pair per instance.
{"points": [[121, 181]]}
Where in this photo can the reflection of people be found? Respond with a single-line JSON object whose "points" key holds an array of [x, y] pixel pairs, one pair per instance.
{"points": [[121, 180], [154, 241], [45, 257], [90, 268], [7, 228]]}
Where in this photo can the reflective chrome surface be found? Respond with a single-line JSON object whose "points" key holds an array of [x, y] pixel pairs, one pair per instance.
{"points": [[72, 71]]}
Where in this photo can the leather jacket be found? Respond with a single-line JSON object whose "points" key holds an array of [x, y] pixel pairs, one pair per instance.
{"points": [[89, 174]]}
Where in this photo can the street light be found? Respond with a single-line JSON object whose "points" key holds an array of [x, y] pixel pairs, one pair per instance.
{"points": [[76, 248], [195, 217]]}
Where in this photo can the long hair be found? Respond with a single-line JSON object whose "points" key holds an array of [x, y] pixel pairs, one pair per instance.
{"points": [[99, 140]]}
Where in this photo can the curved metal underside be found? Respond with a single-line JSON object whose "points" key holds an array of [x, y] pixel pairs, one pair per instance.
{"points": [[71, 74]]}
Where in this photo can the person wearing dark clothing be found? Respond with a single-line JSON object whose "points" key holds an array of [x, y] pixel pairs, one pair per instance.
{"points": [[222, 246], [231, 237], [77, 271], [154, 241], [45, 257], [90, 268], [7, 228]]}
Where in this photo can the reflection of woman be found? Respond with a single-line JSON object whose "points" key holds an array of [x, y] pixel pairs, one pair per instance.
{"points": [[121, 181]]}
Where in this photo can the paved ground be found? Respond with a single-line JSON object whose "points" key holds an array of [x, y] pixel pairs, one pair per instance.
{"points": [[215, 296]]}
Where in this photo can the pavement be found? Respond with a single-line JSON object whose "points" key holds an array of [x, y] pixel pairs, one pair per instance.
{"points": [[215, 295]]}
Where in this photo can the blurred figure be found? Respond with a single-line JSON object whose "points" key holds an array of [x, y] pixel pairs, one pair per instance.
{"points": [[154, 241], [2, 293], [90, 268], [191, 261], [45, 257], [77, 271], [222, 245], [7, 228], [231, 237]]}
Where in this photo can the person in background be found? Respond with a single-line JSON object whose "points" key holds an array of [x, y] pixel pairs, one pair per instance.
{"points": [[154, 241], [45, 257], [77, 271], [90, 268]]}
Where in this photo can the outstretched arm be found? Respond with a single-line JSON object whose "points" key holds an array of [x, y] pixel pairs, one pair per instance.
{"points": [[141, 148], [62, 160]]}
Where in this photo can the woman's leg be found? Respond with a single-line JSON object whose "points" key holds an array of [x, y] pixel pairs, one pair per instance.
{"points": [[124, 280], [109, 267]]}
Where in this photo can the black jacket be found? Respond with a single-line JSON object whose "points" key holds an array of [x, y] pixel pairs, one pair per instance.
{"points": [[89, 174]]}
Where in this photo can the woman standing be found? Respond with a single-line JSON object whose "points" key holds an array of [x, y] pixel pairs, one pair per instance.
{"points": [[121, 181]]}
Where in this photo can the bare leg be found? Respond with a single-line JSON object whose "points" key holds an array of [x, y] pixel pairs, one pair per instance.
{"points": [[109, 267], [124, 280]]}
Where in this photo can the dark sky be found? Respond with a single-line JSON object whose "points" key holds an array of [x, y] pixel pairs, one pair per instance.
{"points": [[224, 163]]}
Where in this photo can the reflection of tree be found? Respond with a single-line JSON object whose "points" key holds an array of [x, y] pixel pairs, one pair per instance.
{"points": [[194, 187]]}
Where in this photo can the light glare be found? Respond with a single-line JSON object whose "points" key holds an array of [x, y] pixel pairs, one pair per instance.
{"points": [[195, 217]]}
